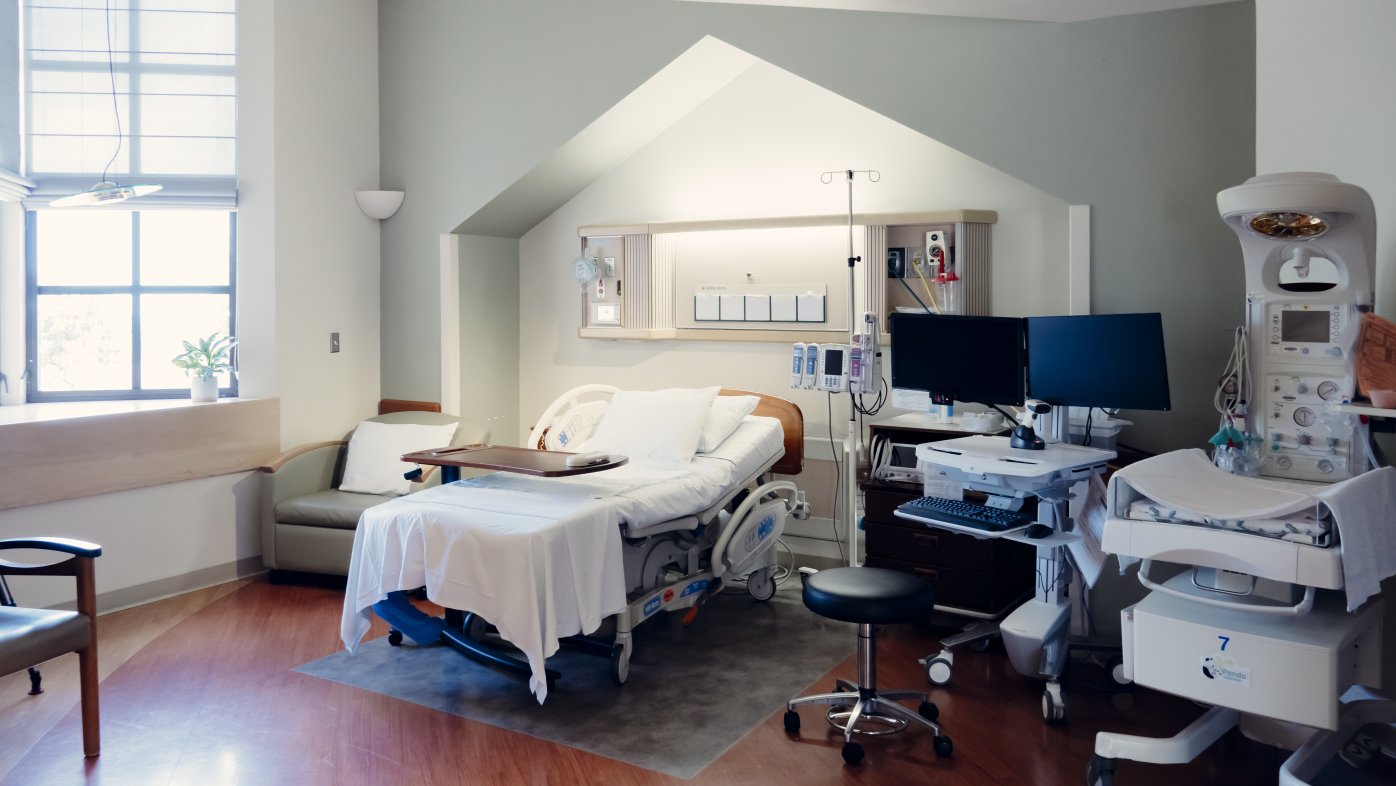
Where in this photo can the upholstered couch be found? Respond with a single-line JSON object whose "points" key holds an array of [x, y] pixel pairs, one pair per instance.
{"points": [[307, 522]]}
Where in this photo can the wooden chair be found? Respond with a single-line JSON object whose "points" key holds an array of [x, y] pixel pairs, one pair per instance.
{"points": [[30, 636]]}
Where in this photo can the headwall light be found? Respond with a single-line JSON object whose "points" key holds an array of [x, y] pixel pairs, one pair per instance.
{"points": [[1288, 224], [379, 204]]}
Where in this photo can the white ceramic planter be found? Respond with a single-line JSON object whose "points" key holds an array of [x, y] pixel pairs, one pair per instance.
{"points": [[201, 389]]}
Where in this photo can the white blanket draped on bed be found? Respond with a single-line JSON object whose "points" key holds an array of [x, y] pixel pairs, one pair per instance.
{"points": [[540, 558]]}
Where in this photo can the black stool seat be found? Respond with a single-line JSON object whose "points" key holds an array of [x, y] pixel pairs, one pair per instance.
{"points": [[868, 596]]}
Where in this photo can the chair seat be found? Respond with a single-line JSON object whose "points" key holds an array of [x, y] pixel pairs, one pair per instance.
{"points": [[872, 596], [29, 637], [333, 508]]}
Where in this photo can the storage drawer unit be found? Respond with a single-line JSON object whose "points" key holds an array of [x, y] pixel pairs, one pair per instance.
{"points": [[986, 576]]}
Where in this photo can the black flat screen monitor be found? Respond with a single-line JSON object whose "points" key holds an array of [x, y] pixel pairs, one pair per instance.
{"points": [[977, 359], [1114, 361]]}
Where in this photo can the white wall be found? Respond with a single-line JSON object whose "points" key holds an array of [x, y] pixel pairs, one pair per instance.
{"points": [[733, 157], [1325, 103], [1340, 61], [310, 258], [148, 535], [307, 265]]}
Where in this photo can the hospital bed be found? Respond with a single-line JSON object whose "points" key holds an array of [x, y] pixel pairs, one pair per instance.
{"points": [[546, 560], [1275, 618]]}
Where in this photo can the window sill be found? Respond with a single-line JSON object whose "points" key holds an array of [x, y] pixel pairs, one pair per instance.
{"points": [[64, 450], [67, 410]]}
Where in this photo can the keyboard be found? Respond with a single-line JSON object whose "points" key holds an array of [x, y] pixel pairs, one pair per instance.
{"points": [[963, 514]]}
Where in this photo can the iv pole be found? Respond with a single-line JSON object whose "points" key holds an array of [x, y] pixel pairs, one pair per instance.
{"points": [[850, 439]]}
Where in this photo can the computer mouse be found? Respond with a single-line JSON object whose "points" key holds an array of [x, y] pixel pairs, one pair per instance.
{"points": [[1036, 531]]}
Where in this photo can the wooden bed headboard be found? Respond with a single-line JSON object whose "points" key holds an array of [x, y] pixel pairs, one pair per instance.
{"points": [[792, 420]]}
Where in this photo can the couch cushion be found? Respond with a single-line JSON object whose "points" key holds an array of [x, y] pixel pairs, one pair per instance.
{"points": [[29, 637], [333, 508]]}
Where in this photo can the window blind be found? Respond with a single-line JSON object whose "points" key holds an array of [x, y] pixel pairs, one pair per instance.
{"points": [[174, 67]]}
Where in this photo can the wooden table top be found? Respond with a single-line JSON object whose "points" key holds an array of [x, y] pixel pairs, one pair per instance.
{"points": [[502, 458]]}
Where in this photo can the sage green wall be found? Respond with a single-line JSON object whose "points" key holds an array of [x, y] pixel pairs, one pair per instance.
{"points": [[1142, 117], [489, 350]]}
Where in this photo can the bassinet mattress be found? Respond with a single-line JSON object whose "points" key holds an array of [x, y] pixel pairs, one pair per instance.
{"points": [[540, 558], [1304, 528]]}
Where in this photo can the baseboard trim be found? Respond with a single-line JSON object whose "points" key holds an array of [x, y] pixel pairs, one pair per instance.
{"points": [[141, 594]]}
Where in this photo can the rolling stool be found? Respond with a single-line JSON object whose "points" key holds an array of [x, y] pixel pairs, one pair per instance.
{"points": [[869, 596]]}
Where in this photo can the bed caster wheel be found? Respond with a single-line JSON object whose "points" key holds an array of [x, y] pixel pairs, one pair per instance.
{"points": [[938, 670], [476, 628], [761, 584], [792, 722], [944, 748], [620, 664], [979, 645], [394, 638], [1100, 771], [1116, 667], [928, 710], [1053, 703], [852, 753]]}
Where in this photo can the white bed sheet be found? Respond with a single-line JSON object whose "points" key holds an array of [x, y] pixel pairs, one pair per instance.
{"points": [[540, 558]]}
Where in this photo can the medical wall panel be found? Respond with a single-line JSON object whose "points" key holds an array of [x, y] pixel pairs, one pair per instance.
{"points": [[666, 268]]}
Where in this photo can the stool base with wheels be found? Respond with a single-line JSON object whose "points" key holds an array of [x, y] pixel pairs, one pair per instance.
{"points": [[868, 597]]}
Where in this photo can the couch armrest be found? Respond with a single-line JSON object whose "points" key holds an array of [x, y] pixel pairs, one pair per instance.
{"points": [[277, 463], [299, 471]]}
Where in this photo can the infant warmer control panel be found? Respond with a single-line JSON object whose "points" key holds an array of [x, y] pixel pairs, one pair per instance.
{"points": [[1304, 440], [1300, 331]]}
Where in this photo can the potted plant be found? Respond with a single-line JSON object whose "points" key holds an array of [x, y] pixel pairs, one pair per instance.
{"points": [[204, 362]]}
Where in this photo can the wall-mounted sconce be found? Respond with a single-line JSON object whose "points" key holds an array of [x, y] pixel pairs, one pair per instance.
{"points": [[379, 204]]}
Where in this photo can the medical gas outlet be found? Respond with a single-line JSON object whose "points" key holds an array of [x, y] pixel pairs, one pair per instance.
{"points": [[1304, 440]]}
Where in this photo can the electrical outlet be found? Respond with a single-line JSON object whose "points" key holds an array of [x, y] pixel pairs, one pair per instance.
{"points": [[334, 342]]}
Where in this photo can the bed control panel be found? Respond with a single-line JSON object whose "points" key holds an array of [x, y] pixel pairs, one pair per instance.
{"points": [[1303, 439]]}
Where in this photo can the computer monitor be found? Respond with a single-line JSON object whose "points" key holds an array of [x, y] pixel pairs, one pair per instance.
{"points": [[965, 358], [1114, 361]]}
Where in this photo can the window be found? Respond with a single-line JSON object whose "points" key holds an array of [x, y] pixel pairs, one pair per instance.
{"points": [[145, 91], [174, 68], [112, 294]]}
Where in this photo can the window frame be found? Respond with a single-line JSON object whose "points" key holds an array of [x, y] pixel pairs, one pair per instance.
{"points": [[32, 291]]}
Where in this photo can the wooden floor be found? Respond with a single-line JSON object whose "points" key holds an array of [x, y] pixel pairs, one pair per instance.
{"points": [[199, 690]]}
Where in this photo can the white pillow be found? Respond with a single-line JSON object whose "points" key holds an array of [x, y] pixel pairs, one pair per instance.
{"points": [[726, 416], [661, 427], [375, 465]]}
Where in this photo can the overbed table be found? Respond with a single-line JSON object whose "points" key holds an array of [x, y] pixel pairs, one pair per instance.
{"points": [[502, 458]]}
